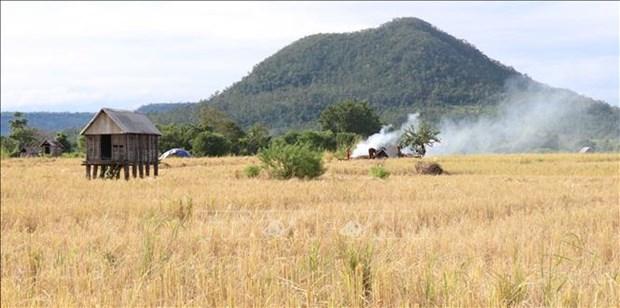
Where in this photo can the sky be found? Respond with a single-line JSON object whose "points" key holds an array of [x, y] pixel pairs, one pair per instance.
{"points": [[81, 56]]}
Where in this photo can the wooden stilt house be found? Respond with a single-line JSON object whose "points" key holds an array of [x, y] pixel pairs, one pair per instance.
{"points": [[119, 139]]}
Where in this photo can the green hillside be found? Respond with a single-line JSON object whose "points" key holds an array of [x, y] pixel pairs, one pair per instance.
{"points": [[399, 67], [404, 66]]}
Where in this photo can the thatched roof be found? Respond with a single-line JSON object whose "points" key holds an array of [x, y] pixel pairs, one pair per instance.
{"points": [[51, 143], [128, 122]]}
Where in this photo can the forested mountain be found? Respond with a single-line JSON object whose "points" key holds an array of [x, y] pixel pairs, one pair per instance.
{"points": [[401, 67], [162, 107], [404, 66]]}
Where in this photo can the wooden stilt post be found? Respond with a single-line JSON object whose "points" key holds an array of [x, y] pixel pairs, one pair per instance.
{"points": [[126, 169], [102, 174], [117, 171], [134, 170], [147, 169], [95, 171], [141, 169], [156, 169], [88, 171]]}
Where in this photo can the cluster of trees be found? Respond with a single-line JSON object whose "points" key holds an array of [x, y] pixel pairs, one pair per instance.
{"points": [[216, 134], [342, 126], [21, 136]]}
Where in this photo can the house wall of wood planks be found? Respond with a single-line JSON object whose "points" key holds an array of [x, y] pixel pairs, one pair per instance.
{"points": [[130, 148]]}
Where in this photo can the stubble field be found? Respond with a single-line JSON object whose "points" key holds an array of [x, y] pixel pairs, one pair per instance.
{"points": [[499, 230]]}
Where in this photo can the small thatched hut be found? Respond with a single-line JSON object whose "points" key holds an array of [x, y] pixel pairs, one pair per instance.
{"points": [[51, 147], [118, 139]]}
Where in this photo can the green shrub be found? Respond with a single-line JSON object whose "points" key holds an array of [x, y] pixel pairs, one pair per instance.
{"points": [[284, 161], [320, 141], [211, 144], [252, 171], [379, 172], [317, 140]]}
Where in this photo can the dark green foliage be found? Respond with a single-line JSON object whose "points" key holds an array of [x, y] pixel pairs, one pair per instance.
{"points": [[8, 147], [210, 144], [20, 132], [419, 139], [175, 114], [214, 120], [21, 135], [290, 137], [62, 139], [350, 117], [347, 140], [252, 171], [256, 138], [379, 171], [284, 161], [177, 136], [162, 107], [81, 143], [316, 140]]}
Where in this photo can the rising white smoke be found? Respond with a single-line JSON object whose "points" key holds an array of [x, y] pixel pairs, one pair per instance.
{"points": [[386, 137], [530, 117]]}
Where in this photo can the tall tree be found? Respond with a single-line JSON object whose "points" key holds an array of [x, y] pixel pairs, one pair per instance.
{"points": [[256, 138], [20, 132], [62, 139], [351, 117], [419, 139]]}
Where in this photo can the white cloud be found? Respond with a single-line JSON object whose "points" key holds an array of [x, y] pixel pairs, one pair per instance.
{"points": [[81, 55]]}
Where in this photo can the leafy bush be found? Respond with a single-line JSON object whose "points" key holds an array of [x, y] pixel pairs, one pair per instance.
{"points": [[255, 139], [284, 161], [347, 140], [418, 139], [252, 171], [211, 144], [379, 171], [317, 140]]}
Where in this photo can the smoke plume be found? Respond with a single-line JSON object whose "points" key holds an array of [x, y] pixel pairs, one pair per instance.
{"points": [[530, 117], [386, 137]]}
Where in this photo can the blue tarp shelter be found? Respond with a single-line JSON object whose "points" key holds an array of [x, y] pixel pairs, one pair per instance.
{"points": [[177, 152]]}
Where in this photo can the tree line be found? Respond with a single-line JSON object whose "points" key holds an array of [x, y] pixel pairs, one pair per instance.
{"points": [[22, 136], [216, 134]]}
